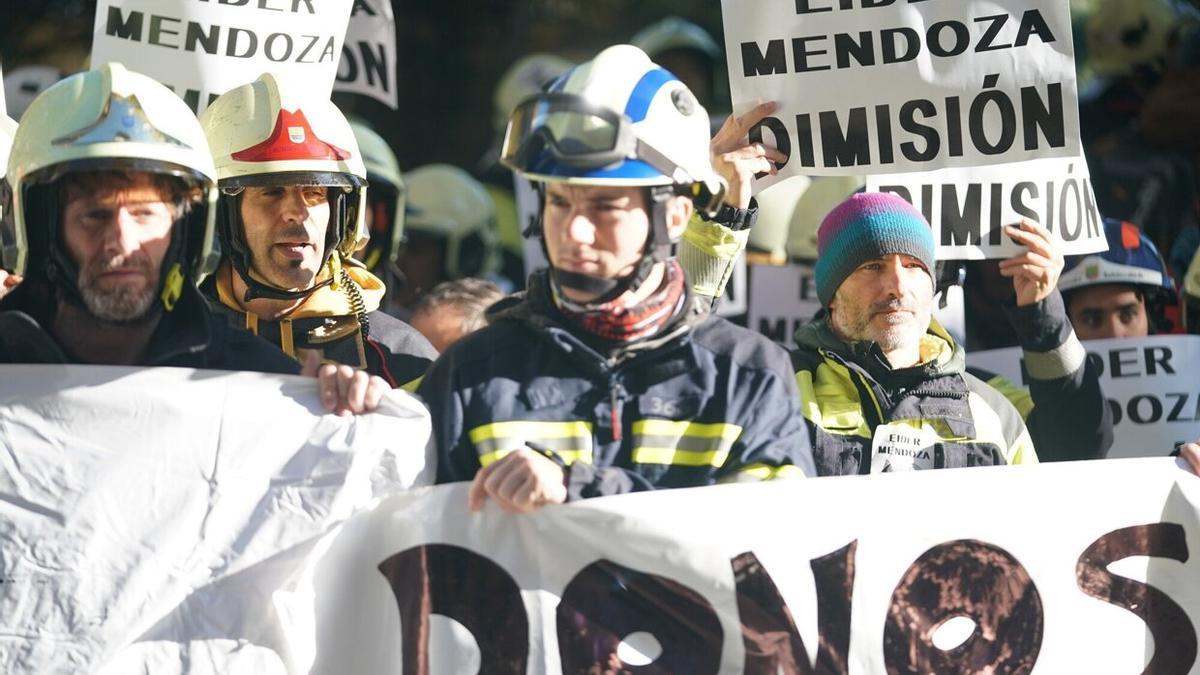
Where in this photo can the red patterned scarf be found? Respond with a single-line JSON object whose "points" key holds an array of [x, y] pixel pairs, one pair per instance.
{"points": [[616, 322]]}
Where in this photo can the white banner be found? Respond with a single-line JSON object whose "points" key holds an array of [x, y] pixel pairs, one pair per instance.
{"points": [[1150, 384], [879, 574], [368, 64], [159, 520], [894, 86], [970, 207], [203, 48]]}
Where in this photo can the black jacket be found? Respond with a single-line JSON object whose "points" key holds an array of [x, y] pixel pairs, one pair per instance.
{"points": [[188, 337], [392, 349], [705, 402], [1064, 409]]}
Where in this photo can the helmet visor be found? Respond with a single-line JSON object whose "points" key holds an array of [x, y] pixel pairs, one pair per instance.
{"points": [[572, 130], [234, 184]]}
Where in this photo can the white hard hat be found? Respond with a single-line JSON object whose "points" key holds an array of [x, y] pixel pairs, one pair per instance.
{"points": [[775, 207], [675, 33], [618, 119], [106, 119], [524, 78], [448, 203], [274, 132]]}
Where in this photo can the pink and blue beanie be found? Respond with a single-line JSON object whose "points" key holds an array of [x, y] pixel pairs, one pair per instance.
{"points": [[866, 226]]}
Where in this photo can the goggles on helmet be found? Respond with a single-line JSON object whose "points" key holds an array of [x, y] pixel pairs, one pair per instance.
{"points": [[579, 134]]}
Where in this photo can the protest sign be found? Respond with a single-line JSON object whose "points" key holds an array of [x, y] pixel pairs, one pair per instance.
{"points": [[895, 86], [203, 48], [368, 63], [970, 207], [784, 298], [138, 500], [1150, 384], [971, 570]]}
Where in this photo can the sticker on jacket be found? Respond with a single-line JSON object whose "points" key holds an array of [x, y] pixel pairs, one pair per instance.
{"points": [[901, 447]]}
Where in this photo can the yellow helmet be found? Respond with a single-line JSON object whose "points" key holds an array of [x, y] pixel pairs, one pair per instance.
{"points": [[106, 119], [1124, 36], [385, 198], [273, 132]]}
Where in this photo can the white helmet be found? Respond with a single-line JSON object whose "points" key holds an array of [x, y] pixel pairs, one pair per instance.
{"points": [[775, 207], [385, 199], [102, 120], [675, 33], [447, 203], [272, 132], [8, 129], [822, 195], [618, 119], [25, 83], [524, 78]]}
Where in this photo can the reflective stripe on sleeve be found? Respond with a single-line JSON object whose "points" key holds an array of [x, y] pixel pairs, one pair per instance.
{"points": [[571, 441]]}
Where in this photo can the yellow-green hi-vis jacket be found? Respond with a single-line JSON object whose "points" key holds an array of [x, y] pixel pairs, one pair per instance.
{"points": [[866, 417]]}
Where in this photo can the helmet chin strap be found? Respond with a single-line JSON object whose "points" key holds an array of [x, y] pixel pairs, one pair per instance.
{"points": [[240, 257], [657, 249]]}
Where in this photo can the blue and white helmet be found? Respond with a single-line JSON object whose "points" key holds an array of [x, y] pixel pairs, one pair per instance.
{"points": [[618, 119], [1131, 259]]}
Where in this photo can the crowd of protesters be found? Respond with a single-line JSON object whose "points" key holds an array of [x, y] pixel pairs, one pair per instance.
{"points": [[274, 234]]}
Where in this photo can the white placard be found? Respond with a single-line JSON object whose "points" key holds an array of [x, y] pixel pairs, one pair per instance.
{"points": [[203, 48], [1150, 383], [970, 207], [709, 580], [368, 63], [895, 86], [782, 298], [142, 504]]}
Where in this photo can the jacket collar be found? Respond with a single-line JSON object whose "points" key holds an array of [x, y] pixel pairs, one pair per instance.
{"points": [[186, 330], [325, 301], [535, 308], [940, 354]]}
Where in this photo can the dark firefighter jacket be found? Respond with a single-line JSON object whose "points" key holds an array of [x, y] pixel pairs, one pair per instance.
{"points": [[191, 336], [327, 322], [704, 402]]}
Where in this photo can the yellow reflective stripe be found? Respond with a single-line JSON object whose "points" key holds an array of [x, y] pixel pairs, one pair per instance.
{"points": [[765, 472], [411, 387], [829, 401], [568, 456], [531, 430], [1023, 451], [570, 441], [285, 338], [1016, 395], [642, 455], [683, 442], [728, 432]]}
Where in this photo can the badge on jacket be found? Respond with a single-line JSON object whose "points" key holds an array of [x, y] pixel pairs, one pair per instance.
{"points": [[901, 447]]}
